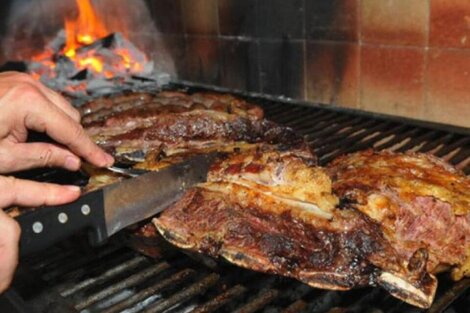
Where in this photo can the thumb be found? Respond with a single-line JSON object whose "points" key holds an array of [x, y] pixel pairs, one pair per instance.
{"points": [[25, 193], [29, 193], [9, 237]]}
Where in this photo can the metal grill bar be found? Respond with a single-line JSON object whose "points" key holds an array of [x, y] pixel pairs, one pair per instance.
{"points": [[152, 290], [418, 141], [107, 275], [460, 157], [319, 124], [195, 289], [462, 142], [222, 299], [318, 141], [350, 144], [334, 128], [296, 307], [445, 139], [75, 263], [260, 301], [126, 283], [397, 139]]}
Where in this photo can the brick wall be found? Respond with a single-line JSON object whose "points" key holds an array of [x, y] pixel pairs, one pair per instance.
{"points": [[400, 57]]}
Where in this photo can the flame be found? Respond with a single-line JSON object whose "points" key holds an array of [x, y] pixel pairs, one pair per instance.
{"points": [[84, 29]]}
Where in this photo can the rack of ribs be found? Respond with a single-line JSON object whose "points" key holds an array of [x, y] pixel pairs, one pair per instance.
{"points": [[275, 211]]}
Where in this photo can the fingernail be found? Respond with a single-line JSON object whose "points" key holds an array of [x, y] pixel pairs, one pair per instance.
{"points": [[72, 163], [109, 160], [73, 188]]}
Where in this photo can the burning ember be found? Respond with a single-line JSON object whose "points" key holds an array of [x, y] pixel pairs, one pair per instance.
{"points": [[86, 59]]}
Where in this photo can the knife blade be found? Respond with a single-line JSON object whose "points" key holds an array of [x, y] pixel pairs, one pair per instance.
{"points": [[106, 211]]}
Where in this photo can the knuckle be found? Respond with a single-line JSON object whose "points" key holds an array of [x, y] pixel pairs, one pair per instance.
{"points": [[78, 134], [26, 89], [27, 92], [46, 157], [35, 121]]}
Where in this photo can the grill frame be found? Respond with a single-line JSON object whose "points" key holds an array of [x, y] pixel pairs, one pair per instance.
{"points": [[331, 131]]}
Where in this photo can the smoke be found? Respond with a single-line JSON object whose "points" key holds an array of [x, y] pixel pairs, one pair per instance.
{"points": [[32, 24]]}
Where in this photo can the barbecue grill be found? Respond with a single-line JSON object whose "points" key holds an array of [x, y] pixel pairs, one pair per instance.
{"points": [[73, 277]]}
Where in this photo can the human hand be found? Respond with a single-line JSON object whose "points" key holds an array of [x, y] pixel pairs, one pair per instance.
{"points": [[9, 237], [25, 104], [24, 193]]}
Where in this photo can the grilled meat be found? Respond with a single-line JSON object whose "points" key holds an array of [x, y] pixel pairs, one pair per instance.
{"points": [[176, 124], [115, 103], [267, 207], [196, 131], [421, 203], [274, 211], [104, 109]]}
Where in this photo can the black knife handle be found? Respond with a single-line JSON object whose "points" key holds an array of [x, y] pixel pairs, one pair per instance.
{"points": [[46, 226]]}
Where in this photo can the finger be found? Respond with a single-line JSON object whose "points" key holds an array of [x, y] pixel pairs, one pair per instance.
{"points": [[23, 156], [60, 102], [9, 237], [51, 95], [44, 117], [29, 193]]}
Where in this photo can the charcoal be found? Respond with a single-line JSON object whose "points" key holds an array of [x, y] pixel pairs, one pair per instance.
{"points": [[114, 73]]}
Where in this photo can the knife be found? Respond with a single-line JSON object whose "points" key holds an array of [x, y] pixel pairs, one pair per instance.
{"points": [[105, 211]]}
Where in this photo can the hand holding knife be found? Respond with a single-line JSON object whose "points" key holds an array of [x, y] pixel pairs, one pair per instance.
{"points": [[106, 211]]}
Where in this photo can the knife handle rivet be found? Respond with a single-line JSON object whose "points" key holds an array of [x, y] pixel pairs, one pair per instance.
{"points": [[38, 227], [86, 209], [63, 218]]}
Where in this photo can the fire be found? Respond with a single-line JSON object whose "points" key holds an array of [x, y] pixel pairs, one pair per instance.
{"points": [[83, 30], [87, 43]]}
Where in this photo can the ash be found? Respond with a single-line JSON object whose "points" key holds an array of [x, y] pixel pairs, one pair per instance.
{"points": [[107, 66]]}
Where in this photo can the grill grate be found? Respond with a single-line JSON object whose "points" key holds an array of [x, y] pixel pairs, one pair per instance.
{"points": [[333, 133], [117, 279], [180, 284]]}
